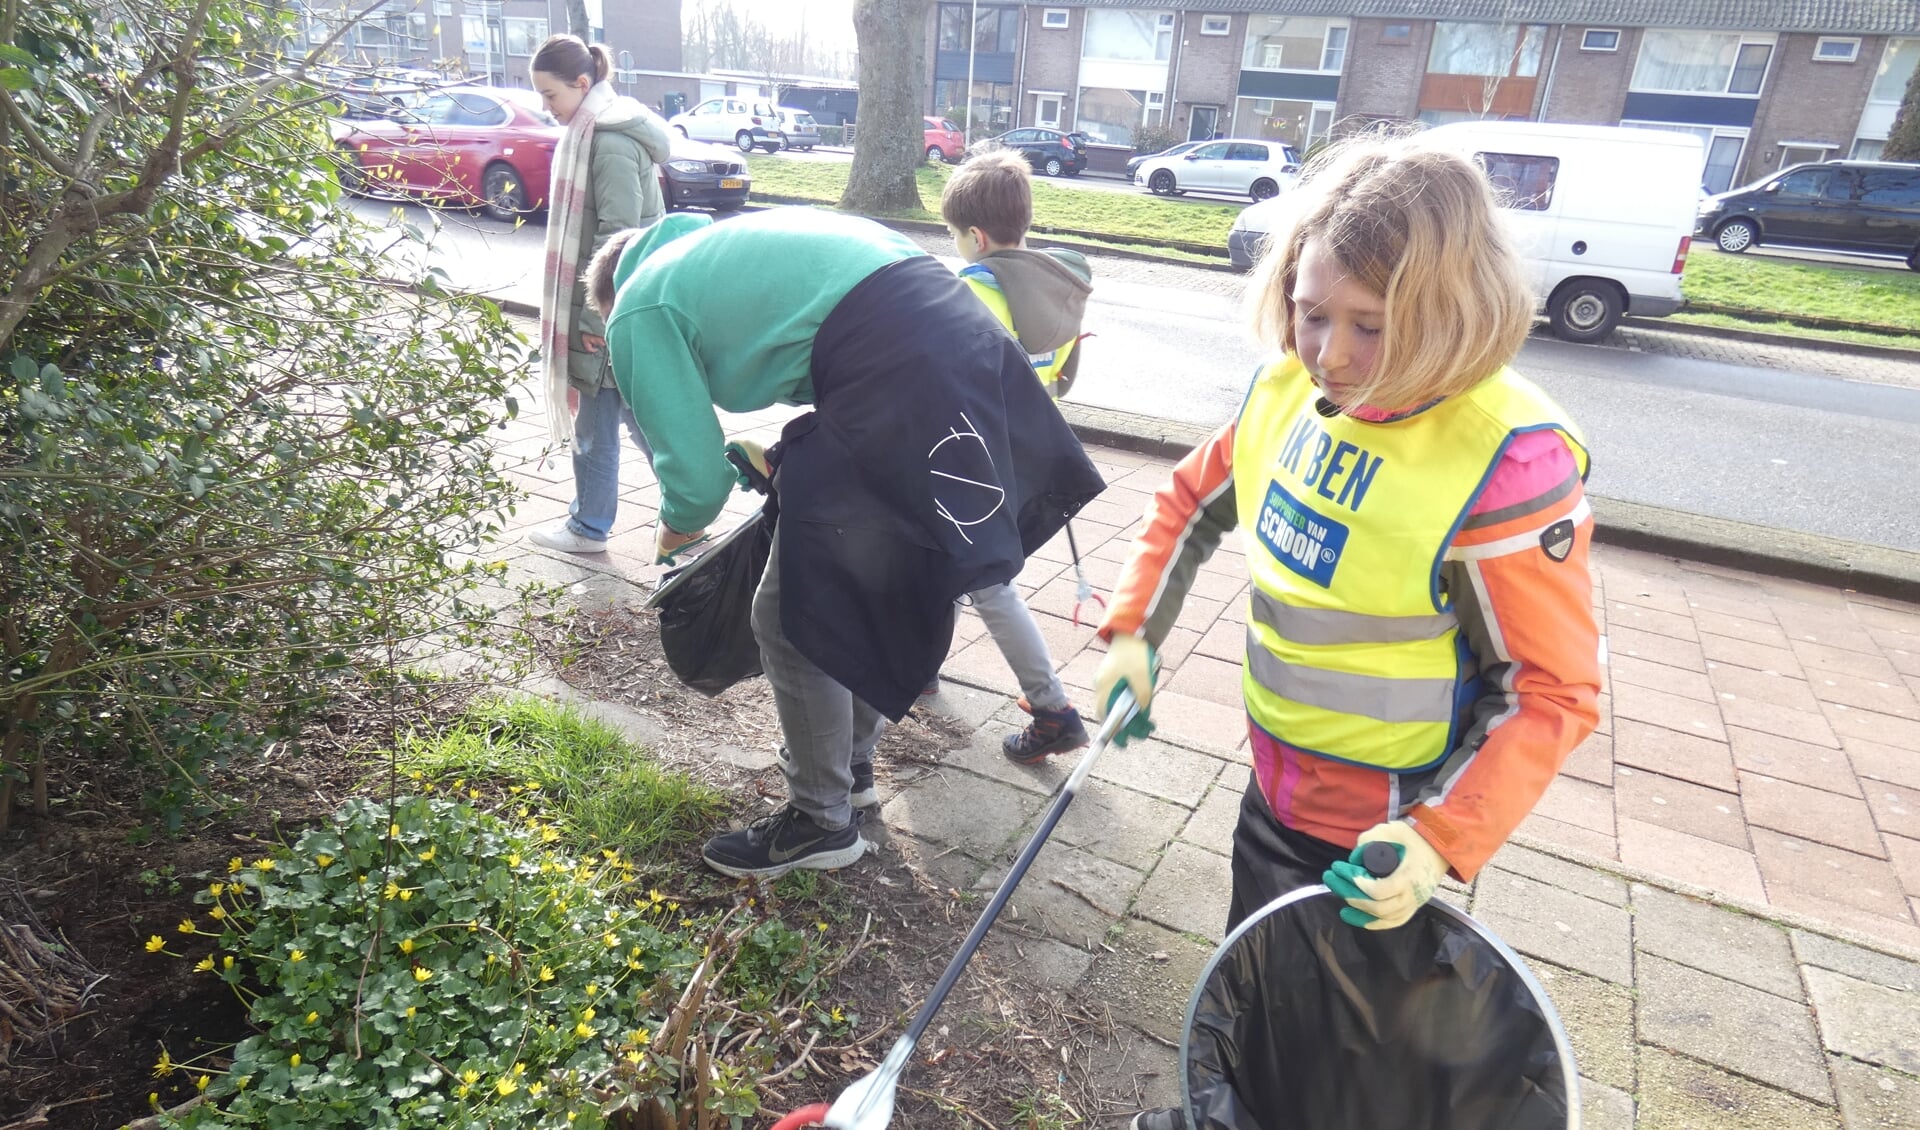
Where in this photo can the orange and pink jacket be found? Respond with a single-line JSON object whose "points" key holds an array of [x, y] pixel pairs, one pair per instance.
{"points": [[1527, 617]]}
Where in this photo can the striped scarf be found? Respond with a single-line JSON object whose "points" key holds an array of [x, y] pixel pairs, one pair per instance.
{"points": [[572, 179]]}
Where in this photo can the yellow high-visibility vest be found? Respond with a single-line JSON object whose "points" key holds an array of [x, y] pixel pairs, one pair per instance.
{"points": [[1353, 651], [1046, 365]]}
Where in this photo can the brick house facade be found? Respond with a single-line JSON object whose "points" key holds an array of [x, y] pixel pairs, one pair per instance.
{"points": [[1760, 84]]}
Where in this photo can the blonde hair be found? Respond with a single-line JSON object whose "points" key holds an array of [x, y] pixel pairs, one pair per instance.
{"points": [[1416, 226], [992, 192], [600, 285]]}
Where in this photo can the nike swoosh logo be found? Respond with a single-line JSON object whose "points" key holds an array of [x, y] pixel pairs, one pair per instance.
{"points": [[775, 855]]}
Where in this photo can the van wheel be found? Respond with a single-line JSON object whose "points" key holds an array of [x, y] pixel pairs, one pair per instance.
{"points": [[1585, 310], [1263, 189], [1736, 236], [1913, 260], [1161, 183]]}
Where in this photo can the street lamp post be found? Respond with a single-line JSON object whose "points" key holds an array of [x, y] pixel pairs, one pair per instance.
{"points": [[973, 35]]}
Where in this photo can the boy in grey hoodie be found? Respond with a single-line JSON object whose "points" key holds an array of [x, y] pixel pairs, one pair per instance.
{"points": [[1041, 297]]}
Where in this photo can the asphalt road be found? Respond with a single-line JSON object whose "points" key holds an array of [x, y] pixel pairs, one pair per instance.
{"points": [[1796, 450]]}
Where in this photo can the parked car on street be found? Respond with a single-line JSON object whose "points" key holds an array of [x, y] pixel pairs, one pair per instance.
{"points": [[943, 140], [700, 175], [801, 131], [1254, 167], [379, 93], [481, 146], [1049, 151], [1869, 207], [748, 123], [1134, 162]]}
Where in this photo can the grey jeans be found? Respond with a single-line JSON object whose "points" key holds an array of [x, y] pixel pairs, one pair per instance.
{"points": [[1010, 622], [825, 727]]}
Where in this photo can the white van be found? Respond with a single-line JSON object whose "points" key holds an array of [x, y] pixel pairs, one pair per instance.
{"points": [[1602, 214]]}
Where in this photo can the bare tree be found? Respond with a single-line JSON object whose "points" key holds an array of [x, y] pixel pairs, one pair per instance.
{"points": [[892, 36]]}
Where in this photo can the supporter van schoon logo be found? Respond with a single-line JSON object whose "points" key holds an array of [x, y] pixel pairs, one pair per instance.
{"points": [[1301, 539]]}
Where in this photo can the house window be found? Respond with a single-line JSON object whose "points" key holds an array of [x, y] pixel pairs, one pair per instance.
{"points": [[1896, 67], [1523, 182], [524, 37], [1834, 49], [1047, 111], [1492, 50], [443, 7], [1724, 146], [1600, 39], [1156, 107], [1054, 18], [1294, 43], [1299, 124], [1701, 62], [1215, 25], [1127, 36], [1396, 33], [994, 29], [1108, 115]]}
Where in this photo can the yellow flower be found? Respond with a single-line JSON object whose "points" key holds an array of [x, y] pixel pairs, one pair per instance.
{"points": [[392, 890], [216, 914], [469, 1076], [587, 1014], [406, 945], [513, 859], [297, 955], [426, 856], [536, 1087], [234, 864], [217, 889], [656, 897], [205, 966], [837, 1018], [240, 1084], [640, 1037], [473, 794], [634, 1057], [323, 860], [393, 829], [186, 926], [549, 834], [406, 896], [263, 865], [293, 1060], [409, 1012], [592, 992], [607, 940], [156, 943], [582, 1030], [460, 1092], [519, 1069], [200, 1082], [820, 926], [546, 972], [163, 1067], [506, 1086], [313, 1016], [422, 973], [226, 962]]}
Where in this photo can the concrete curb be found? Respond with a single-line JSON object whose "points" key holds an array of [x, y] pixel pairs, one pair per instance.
{"points": [[1762, 337], [1716, 541]]}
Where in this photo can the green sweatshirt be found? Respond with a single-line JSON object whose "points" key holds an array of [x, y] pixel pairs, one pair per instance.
{"points": [[723, 316]]}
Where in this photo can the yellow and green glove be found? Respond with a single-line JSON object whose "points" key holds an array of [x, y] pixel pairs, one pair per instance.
{"points": [[755, 456], [1130, 663], [1387, 902]]}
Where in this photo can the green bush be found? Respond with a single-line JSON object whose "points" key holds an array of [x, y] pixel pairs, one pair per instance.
{"points": [[1153, 139], [230, 462], [422, 964], [833, 135]]}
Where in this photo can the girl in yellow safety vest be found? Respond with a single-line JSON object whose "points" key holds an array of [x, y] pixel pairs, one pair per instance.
{"points": [[1421, 651]]}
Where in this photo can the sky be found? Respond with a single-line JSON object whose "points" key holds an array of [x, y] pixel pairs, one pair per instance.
{"points": [[831, 19]]}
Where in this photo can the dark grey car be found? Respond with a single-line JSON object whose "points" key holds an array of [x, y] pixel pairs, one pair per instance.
{"points": [[1871, 207]]}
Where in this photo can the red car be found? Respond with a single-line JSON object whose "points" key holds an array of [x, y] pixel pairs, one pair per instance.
{"points": [[944, 141], [468, 145]]}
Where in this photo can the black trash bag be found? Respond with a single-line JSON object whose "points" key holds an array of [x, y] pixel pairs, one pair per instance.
{"points": [[706, 607], [1303, 1022]]}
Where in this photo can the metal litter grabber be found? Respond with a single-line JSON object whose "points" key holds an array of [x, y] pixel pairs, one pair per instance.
{"points": [[867, 1103]]}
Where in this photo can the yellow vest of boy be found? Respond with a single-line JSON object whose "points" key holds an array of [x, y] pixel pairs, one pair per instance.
{"points": [[1353, 651], [1046, 365]]}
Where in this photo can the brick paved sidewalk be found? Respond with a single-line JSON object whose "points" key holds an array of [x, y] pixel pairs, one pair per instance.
{"points": [[1760, 748]]}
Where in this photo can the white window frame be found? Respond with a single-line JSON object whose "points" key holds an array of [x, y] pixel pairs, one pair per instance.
{"points": [[1041, 98], [1216, 25], [1334, 23], [1746, 39], [1155, 112], [1852, 55], [1586, 39], [1054, 19]]}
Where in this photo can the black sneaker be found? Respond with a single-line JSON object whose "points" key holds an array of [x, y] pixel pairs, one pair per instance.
{"points": [[1051, 731], [788, 839], [1171, 1119], [932, 688]]}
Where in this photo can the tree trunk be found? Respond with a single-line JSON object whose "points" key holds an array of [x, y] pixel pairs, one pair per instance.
{"points": [[577, 22], [887, 154]]}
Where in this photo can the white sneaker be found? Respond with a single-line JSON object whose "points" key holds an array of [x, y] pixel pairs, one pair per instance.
{"points": [[559, 536]]}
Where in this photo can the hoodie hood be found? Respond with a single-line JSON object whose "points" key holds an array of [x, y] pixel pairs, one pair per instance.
{"points": [[1046, 291], [631, 118], [651, 239]]}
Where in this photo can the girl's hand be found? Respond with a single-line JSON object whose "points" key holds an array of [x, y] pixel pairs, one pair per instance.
{"points": [[592, 343]]}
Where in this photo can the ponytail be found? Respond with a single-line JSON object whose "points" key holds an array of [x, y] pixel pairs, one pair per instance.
{"points": [[566, 58]]}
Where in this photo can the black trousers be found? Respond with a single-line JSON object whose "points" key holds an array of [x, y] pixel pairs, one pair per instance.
{"points": [[1271, 859]]}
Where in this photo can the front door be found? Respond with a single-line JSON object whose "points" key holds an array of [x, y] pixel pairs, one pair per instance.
{"points": [[1204, 123]]}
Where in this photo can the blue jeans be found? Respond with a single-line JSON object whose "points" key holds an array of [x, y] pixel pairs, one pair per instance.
{"points": [[596, 461]]}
